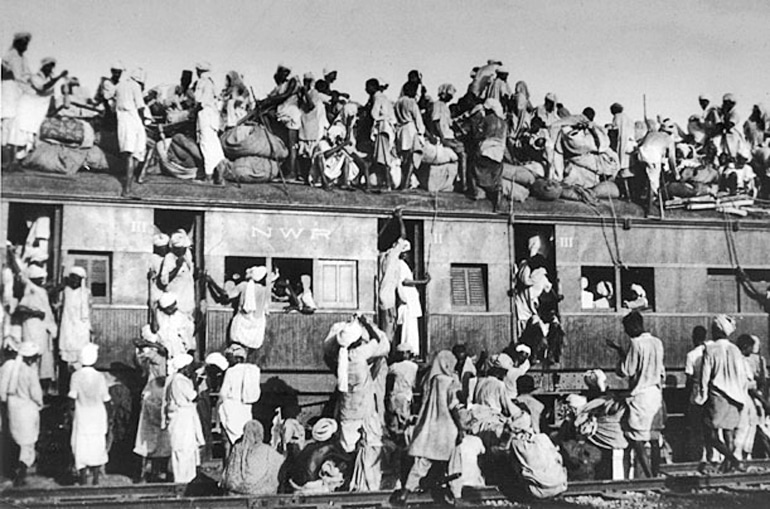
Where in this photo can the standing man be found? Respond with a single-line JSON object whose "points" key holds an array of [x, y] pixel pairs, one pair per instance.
{"points": [[656, 150], [132, 138], [15, 80], [184, 425], [285, 96], [442, 127], [177, 272], [105, 94], [159, 250], [642, 364], [208, 123], [383, 133], [38, 323], [723, 385], [20, 390], [692, 369], [174, 329], [409, 131], [75, 326]]}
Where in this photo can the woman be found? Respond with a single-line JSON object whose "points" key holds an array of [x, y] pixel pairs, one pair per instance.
{"points": [[438, 426], [252, 467], [88, 389]]}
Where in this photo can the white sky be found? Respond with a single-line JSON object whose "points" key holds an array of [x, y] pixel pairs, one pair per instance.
{"points": [[590, 53]]}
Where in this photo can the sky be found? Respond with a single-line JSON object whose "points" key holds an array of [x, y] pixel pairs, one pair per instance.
{"points": [[590, 53]]}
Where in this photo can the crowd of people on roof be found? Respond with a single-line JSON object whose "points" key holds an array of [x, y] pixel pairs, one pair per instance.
{"points": [[489, 140], [399, 418]]}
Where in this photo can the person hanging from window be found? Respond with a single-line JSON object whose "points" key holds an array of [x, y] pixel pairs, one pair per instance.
{"points": [[386, 293], [174, 329], [160, 249], [75, 325], [177, 272], [409, 309]]}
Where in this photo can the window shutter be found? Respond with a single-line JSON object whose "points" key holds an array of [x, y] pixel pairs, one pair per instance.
{"points": [[338, 284], [469, 287], [459, 290], [97, 266]]}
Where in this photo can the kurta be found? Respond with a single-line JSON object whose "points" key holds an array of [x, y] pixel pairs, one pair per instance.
{"points": [[184, 427], [409, 124], [404, 379], [31, 110], [40, 331], [20, 389], [183, 284], [175, 333], [132, 137], [240, 390], [16, 65], [626, 141], [643, 366], [724, 371], [152, 441], [383, 131], [75, 328], [208, 123], [248, 325], [89, 389], [410, 310]]}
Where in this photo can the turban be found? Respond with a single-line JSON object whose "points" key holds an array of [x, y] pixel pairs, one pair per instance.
{"points": [[324, 429], [638, 290], [523, 349], [502, 361], [89, 354], [309, 76], [494, 106], [22, 36], [576, 401], [203, 66], [328, 70], [493, 61], [118, 66], [138, 75], [724, 323], [502, 70], [349, 333], [36, 272], [604, 288], [29, 349], [47, 61], [403, 245], [180, 239], [583, 282], [728, 98], [256, 273], [78, 271], [218, 360], [447, 88], [403, 347], [166, 300], [180, 361], [596, 378], [148, 335], [550, 96], [160, 240]]}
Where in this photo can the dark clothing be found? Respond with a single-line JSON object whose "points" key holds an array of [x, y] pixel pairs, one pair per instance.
{"points": [[307, 465]]}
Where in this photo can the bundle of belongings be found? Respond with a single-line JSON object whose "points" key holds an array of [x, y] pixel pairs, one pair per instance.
{"points": [[180, 157], [255, 152], [438, 170], [65, 146], [583, 156]]}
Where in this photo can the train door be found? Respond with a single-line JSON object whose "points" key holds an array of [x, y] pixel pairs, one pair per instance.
{"points": [[34, 230], [170, 220], [536, 297], [389, 231]]}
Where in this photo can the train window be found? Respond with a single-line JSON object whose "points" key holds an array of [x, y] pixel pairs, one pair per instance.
{"points": [[98, 268], [289, 283], [337, 285], [598, 288], [757, 288], [469, 287], [638, 288], [235, 268], [722, 291]]}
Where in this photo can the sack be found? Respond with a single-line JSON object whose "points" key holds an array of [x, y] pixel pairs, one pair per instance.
{"points": [[515, 192], [70, 131], [437, 178], [606, 189], [252, 170], [547, 190], [539, 464], [518, 174], [437, 154], [184, 152], [253, 140], [96, 159], [53, 158]]}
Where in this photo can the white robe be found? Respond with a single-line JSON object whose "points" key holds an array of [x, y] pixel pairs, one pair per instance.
{"points": [[184, 427], [75, 327], [240, 390], [89, 389]]}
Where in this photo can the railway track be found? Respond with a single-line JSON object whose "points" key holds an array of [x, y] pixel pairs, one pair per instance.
{"points": [[676, 478]]}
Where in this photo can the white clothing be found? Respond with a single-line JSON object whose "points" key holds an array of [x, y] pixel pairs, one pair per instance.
{"points": [[240, 390], [208, 123], [131, 134], [175, 333], [89, 389], [410, 310], [183, 284], [465, 460], [184, 427], [75, 327], [31, 111]]}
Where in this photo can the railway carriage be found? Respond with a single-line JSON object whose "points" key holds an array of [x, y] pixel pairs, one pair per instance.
{"points": [[686, 263]]}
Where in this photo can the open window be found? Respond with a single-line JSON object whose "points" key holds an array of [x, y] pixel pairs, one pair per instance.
{"points": [[598, 288], [235, 269], [98, 267], [638, 288], [290, 272], [469, 287]]}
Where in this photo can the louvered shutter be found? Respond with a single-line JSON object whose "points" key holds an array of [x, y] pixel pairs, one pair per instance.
{"points": [[469, 288]]}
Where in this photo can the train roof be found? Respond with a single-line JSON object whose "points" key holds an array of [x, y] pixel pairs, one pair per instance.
{"points": [[162, 191]]}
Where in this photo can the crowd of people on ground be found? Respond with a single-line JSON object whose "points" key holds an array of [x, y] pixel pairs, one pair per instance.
{"points": [[489, 140], [455, 423]]}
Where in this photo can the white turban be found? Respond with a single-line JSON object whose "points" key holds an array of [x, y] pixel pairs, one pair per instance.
{"points": [[576, 401], [29, 349], [604, 288], [180, 239], [502, 361], [638, 290], [524, 349], [203, 65], [324, 429], [218, 360], [596, 378], [180, 361], [347, 334], [160, 240], [724, 323], [89, 354], [78, 271]]}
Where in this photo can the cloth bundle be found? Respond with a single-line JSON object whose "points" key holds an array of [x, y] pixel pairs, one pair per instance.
{"points": [[252, 170], [253, 140], [183, 158], [67, 131], [53, 158], [438, 154], [438, 178]]}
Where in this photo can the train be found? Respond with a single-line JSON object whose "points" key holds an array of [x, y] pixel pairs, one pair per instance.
{"points": [[687, 263]]}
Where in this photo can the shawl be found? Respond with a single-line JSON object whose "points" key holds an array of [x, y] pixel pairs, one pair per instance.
{"points": [[252, 467]]}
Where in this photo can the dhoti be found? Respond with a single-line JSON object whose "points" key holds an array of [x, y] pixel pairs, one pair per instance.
{"points": [[208, 139], [132, 137], [642, 409]]}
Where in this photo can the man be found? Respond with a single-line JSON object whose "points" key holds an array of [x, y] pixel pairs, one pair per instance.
{"points": [[410, 130], [692, 369], [182, 421], [525, 386], [159, 250], [313, 122], [442, 127], [177, 272], [338, 99], [708, 115], [489, 163], [208, 124], [421, 96], [499, 88], [174, 329], [15, 80], [383, 129], [730, 143], [547, 111], [656, 150], [33, 107], [90, 394], [75, 325], [723, 385], [389, 280], [285, 96], [642, 364], [623, 144], [239, 392], [38, 323], [519, 366], [105, 94], [20, 390], [129, 110]]}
